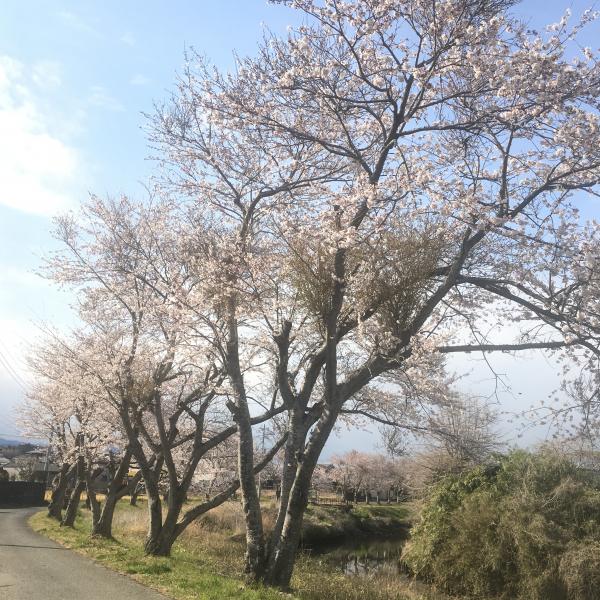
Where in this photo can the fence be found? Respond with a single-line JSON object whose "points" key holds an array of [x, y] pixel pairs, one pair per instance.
{"points": [[351, 498], [22, 493]]}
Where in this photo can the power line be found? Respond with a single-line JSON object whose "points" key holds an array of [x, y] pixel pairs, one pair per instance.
{"points": [[20, 361], [11, 369], [12, 372]]}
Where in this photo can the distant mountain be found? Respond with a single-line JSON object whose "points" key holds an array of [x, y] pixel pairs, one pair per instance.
{"points": [[6, 442]]}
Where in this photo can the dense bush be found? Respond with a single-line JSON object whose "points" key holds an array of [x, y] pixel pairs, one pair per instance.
{"points": [[527, 527]]}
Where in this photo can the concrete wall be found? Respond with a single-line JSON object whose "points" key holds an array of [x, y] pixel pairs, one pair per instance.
{"points": [[21, 493]]}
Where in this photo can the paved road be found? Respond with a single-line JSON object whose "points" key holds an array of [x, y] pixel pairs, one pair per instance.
{"points": [[33, 567]]}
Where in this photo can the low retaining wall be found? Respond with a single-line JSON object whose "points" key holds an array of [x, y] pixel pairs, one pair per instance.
{"points": [[21, 493]]}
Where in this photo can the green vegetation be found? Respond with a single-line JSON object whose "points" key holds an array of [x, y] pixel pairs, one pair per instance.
{"points": [[323, 524], [184, 575], [206, 562], [527, 528]]}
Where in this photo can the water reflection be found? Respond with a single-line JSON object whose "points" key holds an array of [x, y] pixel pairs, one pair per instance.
{"points": [[374, 558], [364, 557]]}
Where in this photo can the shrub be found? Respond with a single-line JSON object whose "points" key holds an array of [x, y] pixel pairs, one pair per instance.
{"points": [[580, 570], [527, 527]]}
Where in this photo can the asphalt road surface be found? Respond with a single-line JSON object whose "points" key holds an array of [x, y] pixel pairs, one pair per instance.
{"points": [[33, 567]]}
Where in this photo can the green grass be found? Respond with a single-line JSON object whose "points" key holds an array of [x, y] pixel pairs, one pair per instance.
{"points": [[206, 562], [184, 575], [397, 512]]}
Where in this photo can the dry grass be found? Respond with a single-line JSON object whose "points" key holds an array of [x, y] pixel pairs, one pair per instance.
{"points": [[207, 560]]}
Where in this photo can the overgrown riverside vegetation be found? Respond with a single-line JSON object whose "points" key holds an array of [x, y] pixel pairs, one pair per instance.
{"points": [[526, 527], [206, 562]]}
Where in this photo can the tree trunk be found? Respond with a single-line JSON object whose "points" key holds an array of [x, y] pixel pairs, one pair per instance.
{"points": [[59, 492], [155, 519], [255, 542], [151, 474], [161, 543], [294, 444], [134, 495], [92, 499], [71, 512], [282, 559], [116, 490], [255, 545], [103, 526]]}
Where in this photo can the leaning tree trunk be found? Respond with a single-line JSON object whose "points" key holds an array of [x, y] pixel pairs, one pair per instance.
{"points": [[161, 544], [71, 512], [135, 492], [294, 443], [95, 506], [283, 556], [116, 490], [59, 491]]}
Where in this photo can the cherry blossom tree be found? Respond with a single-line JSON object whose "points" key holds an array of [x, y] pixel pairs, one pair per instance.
{"points": [[46, 415], [363, 474], [67, 406], [154, 371], [392, 182]]}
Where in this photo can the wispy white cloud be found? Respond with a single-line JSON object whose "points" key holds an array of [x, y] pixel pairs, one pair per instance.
{"points": [[75, 21], [128, 39], [37, 168], [100, 97], [139, 79], [47, 74]]}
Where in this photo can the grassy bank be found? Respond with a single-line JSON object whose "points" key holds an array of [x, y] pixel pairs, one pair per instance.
{"points": [[206, 562], [325, 525]]}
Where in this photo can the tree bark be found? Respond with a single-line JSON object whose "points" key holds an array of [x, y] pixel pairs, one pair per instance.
{"points": [[151, 474], [103, 526], [134, 495], [59, 492], [283, 555], [293, 446], [71, 512], [255, 542], [162, 541], [116, 490], [94, 504]]}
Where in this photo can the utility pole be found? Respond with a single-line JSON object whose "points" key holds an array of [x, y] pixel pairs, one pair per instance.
{"points": [[262, 454], [47, 463]]}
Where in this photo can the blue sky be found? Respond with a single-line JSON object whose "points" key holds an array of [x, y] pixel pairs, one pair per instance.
{"points": [[75, 78]]}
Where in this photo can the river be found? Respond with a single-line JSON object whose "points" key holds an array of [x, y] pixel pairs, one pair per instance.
{"points": [[364, 556]]}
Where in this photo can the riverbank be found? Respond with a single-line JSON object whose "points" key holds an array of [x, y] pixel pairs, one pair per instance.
{"points": [[206, 562], [328, 525]]}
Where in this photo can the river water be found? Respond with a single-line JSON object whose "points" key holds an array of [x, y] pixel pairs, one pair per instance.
{"points": [[373, 557], [364, 556]]}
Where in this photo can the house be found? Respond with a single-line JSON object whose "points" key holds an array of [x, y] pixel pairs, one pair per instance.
{"points": [[31, 466]]}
